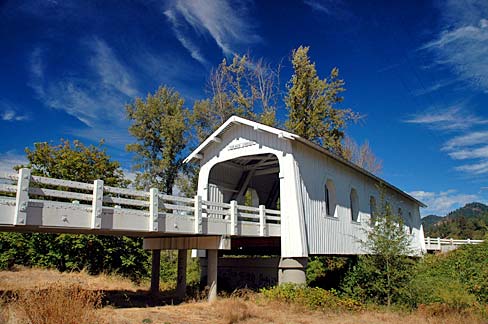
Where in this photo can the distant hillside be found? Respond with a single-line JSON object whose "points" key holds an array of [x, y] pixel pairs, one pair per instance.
{"points": [[470, 221]]}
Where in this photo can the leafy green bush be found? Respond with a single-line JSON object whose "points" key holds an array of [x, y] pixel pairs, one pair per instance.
{"points": [[458, 279], [314, 298]]}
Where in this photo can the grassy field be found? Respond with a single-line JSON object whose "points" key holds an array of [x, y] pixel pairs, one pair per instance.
{"points": [[49, 297]]}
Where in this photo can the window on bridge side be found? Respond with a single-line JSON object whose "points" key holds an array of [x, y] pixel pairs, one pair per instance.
{"points": [[329, 198], [354, 203], [372, 209]]}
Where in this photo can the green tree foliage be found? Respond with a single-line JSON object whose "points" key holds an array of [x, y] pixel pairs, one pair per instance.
{"points": [[74, 161], [95, 253], [159, 124], [469, 221], [382, 275], [312, 104]]}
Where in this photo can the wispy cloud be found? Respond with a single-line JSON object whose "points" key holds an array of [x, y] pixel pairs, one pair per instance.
{"points": [[469, 143], [96, 96], [227, 24], [10, 159], [463, 43], [440, 203], [328, 7], [469, 139], [434, 87], [10, 113], [454, 118]]}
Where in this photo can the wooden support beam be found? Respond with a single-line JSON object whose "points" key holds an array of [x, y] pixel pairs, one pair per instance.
{"points": [[155, 271], [212, 270], [181, 275]]}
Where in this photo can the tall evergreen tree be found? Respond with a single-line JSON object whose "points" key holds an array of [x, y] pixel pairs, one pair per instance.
{"points": [[312, 104], [159, 124]]}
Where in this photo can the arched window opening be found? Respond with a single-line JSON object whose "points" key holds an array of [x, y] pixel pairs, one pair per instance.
{"points": [[354, 203], [372, 209], [327, 201], [410, 223], [329, 198]]}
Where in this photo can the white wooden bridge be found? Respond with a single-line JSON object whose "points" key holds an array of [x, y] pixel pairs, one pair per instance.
{"points": [[34, 203], [437, 244]]}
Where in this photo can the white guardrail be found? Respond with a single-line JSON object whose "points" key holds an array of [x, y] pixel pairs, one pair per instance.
{"points": [[436, 243], [27, 189]]}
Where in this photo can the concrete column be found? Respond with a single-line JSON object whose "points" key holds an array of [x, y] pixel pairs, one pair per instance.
{"points": [[155, 270], [292, 270], [212, 261], [181, 277]]}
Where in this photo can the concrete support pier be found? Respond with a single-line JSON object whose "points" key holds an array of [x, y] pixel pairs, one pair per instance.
{"points": [[155, 271], [212, 264], [292, 270], [181, 276]]}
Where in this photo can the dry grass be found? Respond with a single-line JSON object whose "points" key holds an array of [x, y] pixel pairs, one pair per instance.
{"points": [[27, 278], [237, 310], [57, 304], [47, 296]]}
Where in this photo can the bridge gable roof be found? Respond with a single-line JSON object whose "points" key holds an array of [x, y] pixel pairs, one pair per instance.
{"points": [[234, 120]]}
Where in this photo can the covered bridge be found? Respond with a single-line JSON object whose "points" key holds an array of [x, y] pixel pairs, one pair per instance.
{"points": [[326, 202]]}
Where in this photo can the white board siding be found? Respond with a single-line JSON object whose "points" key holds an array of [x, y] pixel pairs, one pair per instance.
{"points": [[305, 229], [339, 234]]}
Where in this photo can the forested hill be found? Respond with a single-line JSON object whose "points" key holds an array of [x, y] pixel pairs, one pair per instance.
{"points": [[470, 221]]}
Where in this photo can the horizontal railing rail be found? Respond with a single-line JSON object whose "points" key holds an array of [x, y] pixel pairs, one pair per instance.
{"points": [[436, 243], [26, 189]]}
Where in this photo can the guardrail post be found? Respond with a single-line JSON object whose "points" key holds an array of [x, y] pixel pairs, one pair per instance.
{"points": [[452, 241], [153, 209], [262, 221], [22, 197], [198, 215], [97, 204], [428, 241], [469, 241], [233, 217], [439, 243]]}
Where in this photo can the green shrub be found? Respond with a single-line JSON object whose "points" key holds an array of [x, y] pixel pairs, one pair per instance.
{"points": [[458, 279], [313, 298]]}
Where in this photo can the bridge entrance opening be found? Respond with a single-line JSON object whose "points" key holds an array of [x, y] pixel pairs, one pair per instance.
{"points": [[250, 180]]}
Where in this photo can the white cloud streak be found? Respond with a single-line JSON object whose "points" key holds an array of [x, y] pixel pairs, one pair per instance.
{"points": [[454, 118], [462, 45], [440, 203], [226, 24], [10, 159], [97, 97]]}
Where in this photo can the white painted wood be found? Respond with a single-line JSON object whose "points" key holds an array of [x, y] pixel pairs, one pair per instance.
{"points": [[97, 204], [50, 193], [153, 209], [262, 221], [198, 215], [125, 191], [126, 201], [8, 188], [22, 197], [62, 183], [233, 218]]}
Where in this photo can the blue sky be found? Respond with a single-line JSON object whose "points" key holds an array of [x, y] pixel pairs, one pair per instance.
{"points": [[417, 71]]}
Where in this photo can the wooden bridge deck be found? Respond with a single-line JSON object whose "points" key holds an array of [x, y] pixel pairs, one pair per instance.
{"points": [[38, 204]]}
